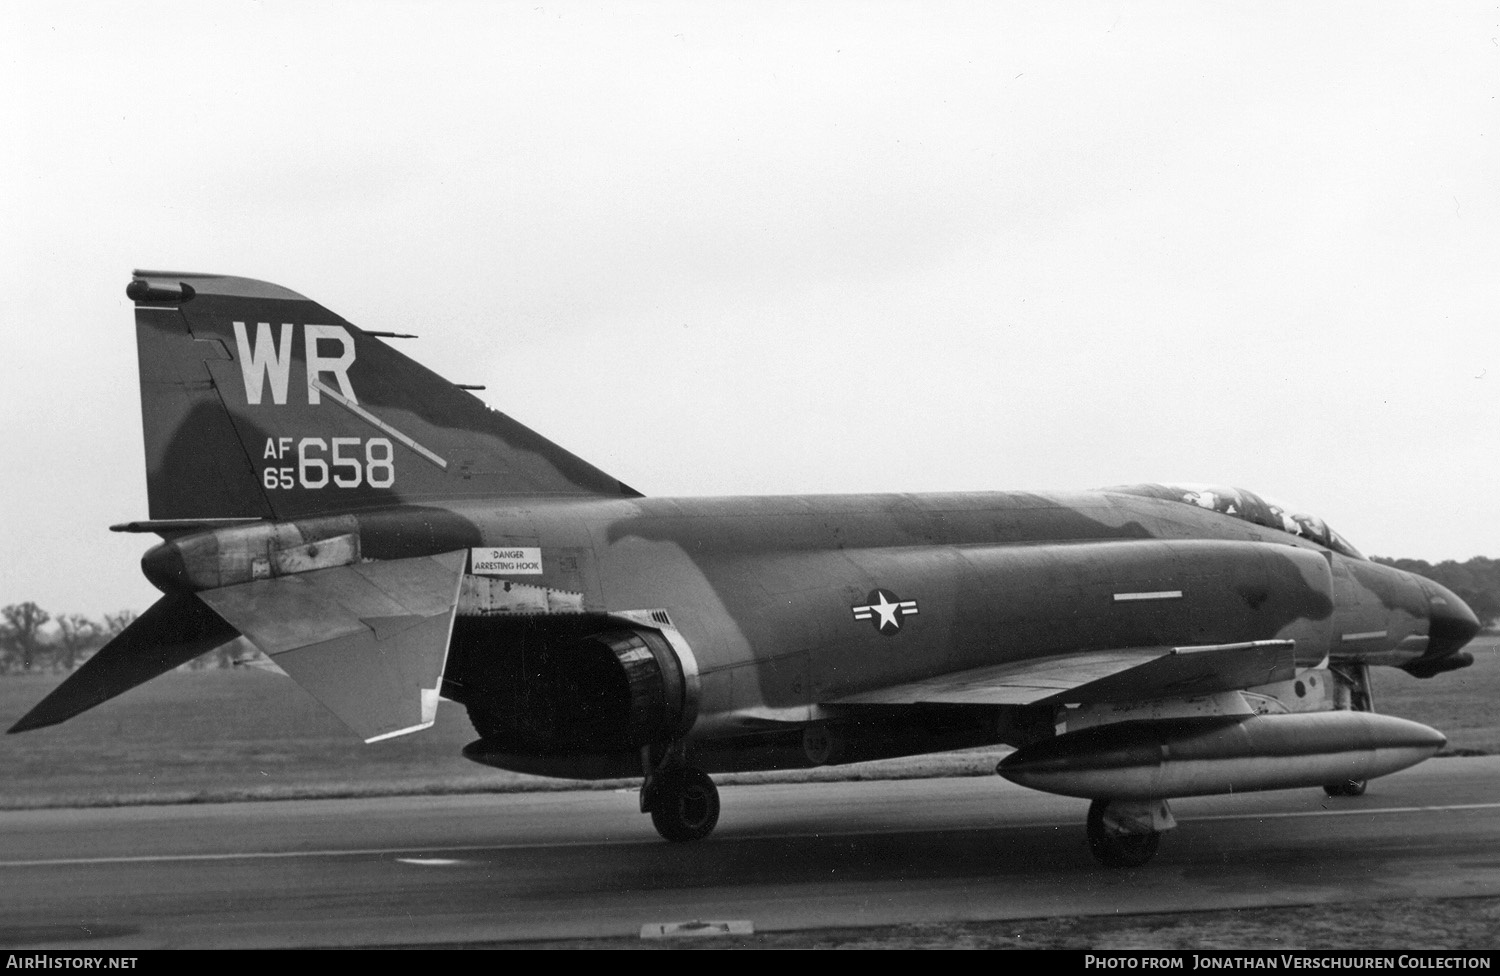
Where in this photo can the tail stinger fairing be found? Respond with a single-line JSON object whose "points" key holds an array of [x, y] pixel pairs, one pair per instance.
{"points": [[387, 539]]}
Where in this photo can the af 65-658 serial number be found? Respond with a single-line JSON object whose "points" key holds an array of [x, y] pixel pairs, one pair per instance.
{"points": [[337, 462]]}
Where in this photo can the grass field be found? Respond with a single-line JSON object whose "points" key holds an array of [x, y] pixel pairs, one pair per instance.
{"points": [[246, 734], [221, 735], [1459, 703]]}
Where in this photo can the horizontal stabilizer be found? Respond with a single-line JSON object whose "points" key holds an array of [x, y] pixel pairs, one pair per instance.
{"points": [[1126, 674], [369, 640], [175, 630]]}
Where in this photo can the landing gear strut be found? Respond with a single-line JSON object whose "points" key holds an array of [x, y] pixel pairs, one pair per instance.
{"points": [[683, 801], [1125, 834], [1356, 678]]}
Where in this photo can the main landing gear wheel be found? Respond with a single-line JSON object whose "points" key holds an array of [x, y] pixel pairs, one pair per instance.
{"points": [[1349, 787], [1118, 850], [684, 805]]}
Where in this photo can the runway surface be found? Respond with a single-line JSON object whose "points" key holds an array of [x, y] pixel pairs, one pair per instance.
{"points": [[534, 866]]}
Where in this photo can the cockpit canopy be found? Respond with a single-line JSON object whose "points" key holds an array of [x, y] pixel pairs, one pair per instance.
{"points": [[1250, 507]]}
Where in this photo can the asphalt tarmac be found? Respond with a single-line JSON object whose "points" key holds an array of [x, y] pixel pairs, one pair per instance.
{"points": [[449, 870]]}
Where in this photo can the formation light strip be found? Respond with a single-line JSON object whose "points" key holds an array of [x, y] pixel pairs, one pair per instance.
{"points": [[1152, 595], [375, 421]]}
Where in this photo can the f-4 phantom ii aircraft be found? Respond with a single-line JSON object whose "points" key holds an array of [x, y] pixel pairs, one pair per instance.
{"points": [[388, 540]]}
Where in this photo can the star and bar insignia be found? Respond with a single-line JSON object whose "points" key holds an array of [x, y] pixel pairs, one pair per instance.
{"points": [[886, 609]]}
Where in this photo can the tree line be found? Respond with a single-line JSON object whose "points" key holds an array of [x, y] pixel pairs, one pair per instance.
{"points": [[1476, 582], [31, 639]]}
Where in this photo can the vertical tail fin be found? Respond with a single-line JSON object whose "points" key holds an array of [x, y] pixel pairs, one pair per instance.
{"points": [[259, 403]]}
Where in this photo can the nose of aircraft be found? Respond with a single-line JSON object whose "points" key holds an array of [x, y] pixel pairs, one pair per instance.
{"points": [[1451, 625]]}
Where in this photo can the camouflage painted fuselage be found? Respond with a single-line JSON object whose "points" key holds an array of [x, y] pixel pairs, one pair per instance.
{"points": [[766, 594], [385, 537]]}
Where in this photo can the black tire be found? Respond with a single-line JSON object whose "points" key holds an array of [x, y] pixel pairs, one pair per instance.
{"points": [[1118, 850], [684, 805], [1349, 787]]}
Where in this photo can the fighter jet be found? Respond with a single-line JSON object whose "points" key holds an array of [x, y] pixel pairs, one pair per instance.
{"points": [[387, 540]]}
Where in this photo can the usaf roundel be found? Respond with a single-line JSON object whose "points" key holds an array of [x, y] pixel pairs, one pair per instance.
{"points": [[886, 610]]}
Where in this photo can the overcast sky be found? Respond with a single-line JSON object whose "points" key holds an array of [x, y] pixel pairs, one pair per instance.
{"points": [[788, 248]]}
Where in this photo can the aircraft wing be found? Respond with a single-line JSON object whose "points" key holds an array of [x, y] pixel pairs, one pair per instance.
{"points": [[368, 640], [1125, 674]]}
